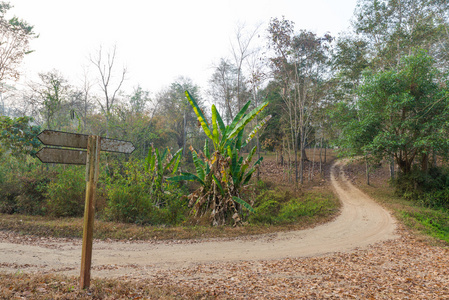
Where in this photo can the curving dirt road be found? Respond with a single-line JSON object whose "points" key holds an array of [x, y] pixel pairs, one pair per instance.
{"points": [[362, 222]]}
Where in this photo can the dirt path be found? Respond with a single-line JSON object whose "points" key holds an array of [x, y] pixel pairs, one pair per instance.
{"points": [[362, 222]]}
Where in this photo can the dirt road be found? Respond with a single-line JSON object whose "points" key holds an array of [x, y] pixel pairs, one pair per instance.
{"points": [[362, 222]]}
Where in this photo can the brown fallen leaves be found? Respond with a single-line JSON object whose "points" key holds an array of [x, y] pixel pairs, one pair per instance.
{"points": [[400, 269]]}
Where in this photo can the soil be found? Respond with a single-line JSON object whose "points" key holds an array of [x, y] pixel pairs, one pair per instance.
{"points": [[361, 223]]}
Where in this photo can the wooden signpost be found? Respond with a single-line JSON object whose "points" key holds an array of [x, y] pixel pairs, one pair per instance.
{"points": [[91, 158]]}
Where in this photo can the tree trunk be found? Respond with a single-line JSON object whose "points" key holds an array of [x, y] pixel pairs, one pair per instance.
{"points": [[321, 150], [325, 148], [367, 169], [313, 164], [425, 162], [392, 167]]}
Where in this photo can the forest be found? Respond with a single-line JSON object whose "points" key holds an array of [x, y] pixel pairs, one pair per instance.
{"points": [[378, 92]]}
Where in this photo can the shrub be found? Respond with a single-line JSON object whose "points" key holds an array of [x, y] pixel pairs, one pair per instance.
{"points": [[266, 213], [429, 189], [66, 194], [279, 207], [132, 199], [22, 186]]}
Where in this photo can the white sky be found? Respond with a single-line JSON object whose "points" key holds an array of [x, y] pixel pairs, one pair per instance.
{"points": [[158, 40]]}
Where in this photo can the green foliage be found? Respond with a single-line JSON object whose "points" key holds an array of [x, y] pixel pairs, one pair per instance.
{"points": [[22, 186], [134, 197], [430, 189], [66, 193], [279, 207], [222, 174], [401, 114], [157, 165], [18, 136]]}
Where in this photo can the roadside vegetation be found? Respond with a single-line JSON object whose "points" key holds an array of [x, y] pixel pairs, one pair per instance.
{"points": [[425, 212], [277, 207]]}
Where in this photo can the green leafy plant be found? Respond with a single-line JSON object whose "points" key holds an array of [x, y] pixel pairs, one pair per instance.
{"points": [[223, 174], [157, 165], [134, 196], [66, 193], [18, 136]]}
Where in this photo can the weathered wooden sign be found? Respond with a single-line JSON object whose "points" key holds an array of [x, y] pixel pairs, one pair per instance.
{"points": [[74, 140], [91, 158]]}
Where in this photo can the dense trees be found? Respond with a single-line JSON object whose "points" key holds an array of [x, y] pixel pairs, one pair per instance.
{"points": [[401, 113]]}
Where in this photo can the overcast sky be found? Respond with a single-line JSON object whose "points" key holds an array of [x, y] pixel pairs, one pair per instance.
{"points": [[159, 40]]}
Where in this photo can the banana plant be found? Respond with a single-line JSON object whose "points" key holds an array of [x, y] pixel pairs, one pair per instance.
{"points": [[222, 174], [158, 164]]}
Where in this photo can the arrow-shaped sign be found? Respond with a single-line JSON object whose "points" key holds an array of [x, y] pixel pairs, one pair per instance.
{"points": [[62, 156], [76, 140]]}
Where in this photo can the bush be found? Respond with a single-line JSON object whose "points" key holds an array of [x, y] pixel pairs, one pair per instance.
{"points": [[429, 189], [22, 186], [279, 207], [130, 198], [66, 194]]}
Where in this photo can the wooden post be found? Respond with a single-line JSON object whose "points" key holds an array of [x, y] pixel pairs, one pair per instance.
{"points": [[92, 169]]}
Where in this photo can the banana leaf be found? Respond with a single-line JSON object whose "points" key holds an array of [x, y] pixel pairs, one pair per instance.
{"points": [[256, 129], [150, 160], [243, 203], [245, 120], [187, 177], [248, 159], [199, 165], [251, 171], [234, 123], [206, 149], [173, 159], [217, 182], [215, 135], [199, 114], [176, 166], [221, 124]]}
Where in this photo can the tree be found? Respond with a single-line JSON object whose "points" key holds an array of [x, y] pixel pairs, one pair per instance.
{"points": [[180, 119], [299, 63], [109, 84], [223, 89], [401, 113], [15, 36], [241, 51], [18, 136], [393, 28], [50, 97]]}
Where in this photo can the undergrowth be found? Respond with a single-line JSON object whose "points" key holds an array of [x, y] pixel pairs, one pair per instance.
{"points": [[417, 201]]}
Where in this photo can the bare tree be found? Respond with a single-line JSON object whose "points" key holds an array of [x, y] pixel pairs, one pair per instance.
{"points": [[223, 88], [109, 84], [241, 50]]}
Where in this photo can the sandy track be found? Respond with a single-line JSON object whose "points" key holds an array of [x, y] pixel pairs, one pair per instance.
{"points": [[362, 222]]}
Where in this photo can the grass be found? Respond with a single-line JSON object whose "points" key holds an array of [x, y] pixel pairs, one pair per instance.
{"points": [[431, 224]]}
